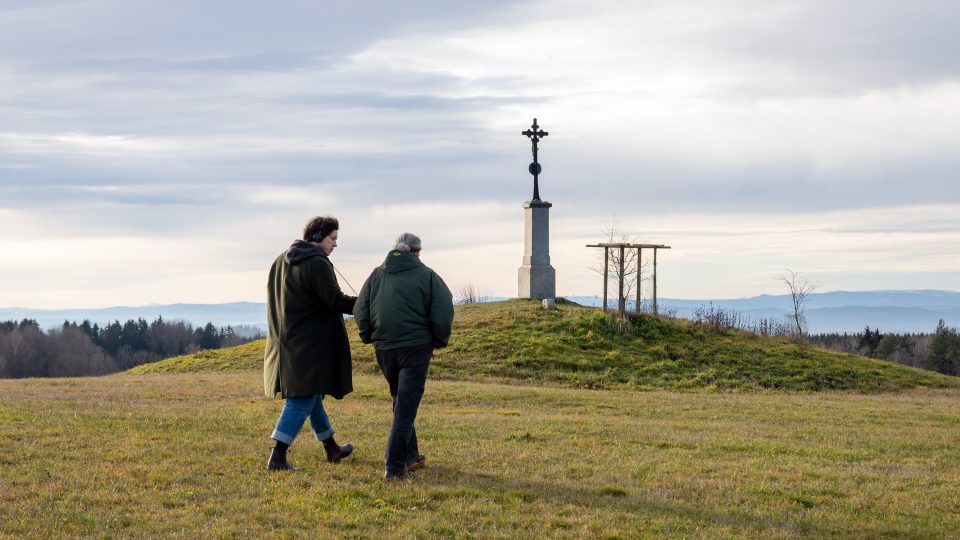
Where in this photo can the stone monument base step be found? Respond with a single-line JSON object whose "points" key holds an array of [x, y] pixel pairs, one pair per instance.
{"points": [[537, 281]]}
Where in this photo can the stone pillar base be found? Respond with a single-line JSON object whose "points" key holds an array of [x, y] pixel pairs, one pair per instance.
{"points": [[537, 281]]}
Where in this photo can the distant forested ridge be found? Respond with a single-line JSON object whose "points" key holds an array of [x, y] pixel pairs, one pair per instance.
{"points": [[939, 351], [89, 349]]}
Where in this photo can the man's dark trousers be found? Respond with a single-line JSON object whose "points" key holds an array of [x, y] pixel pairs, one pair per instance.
{"points": [[406, 371]]}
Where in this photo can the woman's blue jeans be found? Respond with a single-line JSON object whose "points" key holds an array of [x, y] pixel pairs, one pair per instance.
{"points": [[295, 411]]}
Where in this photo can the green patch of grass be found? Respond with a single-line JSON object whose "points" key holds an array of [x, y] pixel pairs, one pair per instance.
{"points": [[241, 358], [613, 491], [184, 455], [583, 347]]}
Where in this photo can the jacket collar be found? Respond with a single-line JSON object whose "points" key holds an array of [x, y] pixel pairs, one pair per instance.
{"points": [[300, 251], [398, 261]]}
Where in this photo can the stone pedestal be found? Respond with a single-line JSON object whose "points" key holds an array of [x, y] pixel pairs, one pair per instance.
{"points": [[537, 279]]}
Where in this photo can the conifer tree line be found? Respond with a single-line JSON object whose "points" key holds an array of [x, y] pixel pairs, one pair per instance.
{"points": [[89, 349], [939, 351]]}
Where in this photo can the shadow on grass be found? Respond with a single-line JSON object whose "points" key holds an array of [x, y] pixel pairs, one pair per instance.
{"points": [[625, 503]]}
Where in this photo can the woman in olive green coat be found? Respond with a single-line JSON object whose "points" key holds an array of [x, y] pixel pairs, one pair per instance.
{"points": [[307, 354]]}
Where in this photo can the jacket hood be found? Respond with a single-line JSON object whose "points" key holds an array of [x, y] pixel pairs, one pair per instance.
{"points": [[398, 261], [301, 251]]}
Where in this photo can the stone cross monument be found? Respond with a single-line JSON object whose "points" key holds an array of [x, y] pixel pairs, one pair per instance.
{"points": [[537, 279]]}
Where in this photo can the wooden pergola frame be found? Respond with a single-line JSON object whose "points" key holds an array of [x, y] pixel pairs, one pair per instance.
{"points": [[622, 301]]}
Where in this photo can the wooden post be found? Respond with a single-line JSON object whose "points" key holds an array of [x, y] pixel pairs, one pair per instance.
{"points": [[655, 282], [639, 266], [606, 276], [621, 301], [621, 282]]}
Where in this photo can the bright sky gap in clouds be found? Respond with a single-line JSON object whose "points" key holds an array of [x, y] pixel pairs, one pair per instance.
{"points": [[168, 151]]}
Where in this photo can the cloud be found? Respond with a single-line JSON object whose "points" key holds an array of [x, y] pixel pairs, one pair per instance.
{"points": [[731, 127]]}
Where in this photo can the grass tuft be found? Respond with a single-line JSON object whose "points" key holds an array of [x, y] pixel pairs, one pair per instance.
{"points": [[613, 491]]}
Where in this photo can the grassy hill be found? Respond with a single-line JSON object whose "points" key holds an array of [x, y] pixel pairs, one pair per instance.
{"points": [[517, 341]]}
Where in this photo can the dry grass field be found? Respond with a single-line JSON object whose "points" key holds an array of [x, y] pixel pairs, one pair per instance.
{"points": [[163, 455]]}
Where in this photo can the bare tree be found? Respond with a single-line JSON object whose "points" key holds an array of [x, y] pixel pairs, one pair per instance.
{"points": [[22, 350], [26, 351], [471, 294], [73, 354], [800, 291], [467, 294], [613, 235]]}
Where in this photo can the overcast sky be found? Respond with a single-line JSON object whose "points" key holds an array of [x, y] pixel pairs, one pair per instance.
{"points": [[167, 150]]}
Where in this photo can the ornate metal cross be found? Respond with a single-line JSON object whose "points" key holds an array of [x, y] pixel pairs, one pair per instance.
{"points": [[535, 134]]}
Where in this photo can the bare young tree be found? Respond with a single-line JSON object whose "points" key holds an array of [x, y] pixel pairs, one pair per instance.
{"points": [[613, 235], [800, 291]]}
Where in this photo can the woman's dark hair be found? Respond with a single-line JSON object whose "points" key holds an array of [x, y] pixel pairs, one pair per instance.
{"points": [[319, 228]]}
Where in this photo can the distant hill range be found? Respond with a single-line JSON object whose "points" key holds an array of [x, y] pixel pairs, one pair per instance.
{"points": [[838, 311], [251, 316]]}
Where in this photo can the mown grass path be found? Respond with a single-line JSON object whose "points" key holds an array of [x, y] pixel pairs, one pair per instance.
{"points": [[183, 454]]}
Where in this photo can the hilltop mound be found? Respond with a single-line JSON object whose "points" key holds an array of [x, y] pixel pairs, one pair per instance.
{"points": [[579, 346]]}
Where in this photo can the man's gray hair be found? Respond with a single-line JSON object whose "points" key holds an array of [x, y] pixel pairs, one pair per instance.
{"points": [[408, 242]]}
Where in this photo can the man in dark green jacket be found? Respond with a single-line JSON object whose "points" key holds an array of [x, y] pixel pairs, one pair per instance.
{"points": [[307, 354], [406, 311]]}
